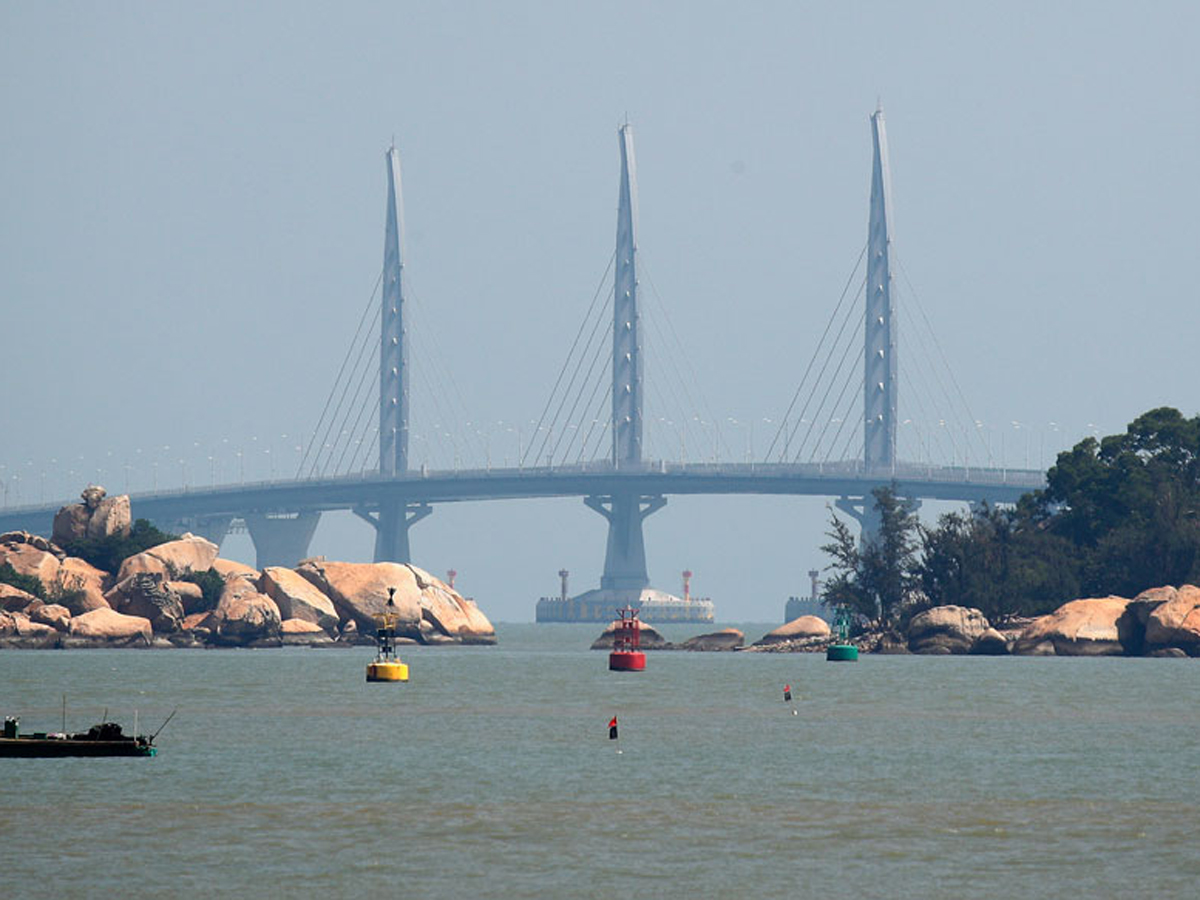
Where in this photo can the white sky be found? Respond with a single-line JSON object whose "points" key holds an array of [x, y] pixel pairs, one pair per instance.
{"points": [[192, 218]]}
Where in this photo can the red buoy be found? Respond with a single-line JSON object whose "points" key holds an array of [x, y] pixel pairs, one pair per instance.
{"points": [[625, 656]]}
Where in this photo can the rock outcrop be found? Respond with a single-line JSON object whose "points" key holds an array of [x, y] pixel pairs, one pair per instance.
{"points": [[649, 637], [148, 595], [1087, 627], [427, 609], [725, 639], [301, 632], [298, 598], [26, 559], [97, 517], [1176, 621], [174, 558], [83, 585], [946, 629], [244, 616], [110, 625], [801, 629], [13, 599]]}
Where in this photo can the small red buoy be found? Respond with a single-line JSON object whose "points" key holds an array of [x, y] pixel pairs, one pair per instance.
{"points": [[625, 656]]}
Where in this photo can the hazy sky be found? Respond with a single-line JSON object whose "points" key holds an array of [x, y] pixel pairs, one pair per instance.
{"points": [[192, 221]]}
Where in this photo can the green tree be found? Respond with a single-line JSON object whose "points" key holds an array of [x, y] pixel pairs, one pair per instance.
{"points": [[876, 578], [1131, 504]]}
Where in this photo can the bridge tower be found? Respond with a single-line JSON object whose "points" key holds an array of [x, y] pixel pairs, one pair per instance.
{"points": [[879, 335], [625, 556], [394, 515], [879, 353]]}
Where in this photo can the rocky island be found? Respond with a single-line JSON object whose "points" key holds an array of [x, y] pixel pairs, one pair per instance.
{"points": [[180, 593]]}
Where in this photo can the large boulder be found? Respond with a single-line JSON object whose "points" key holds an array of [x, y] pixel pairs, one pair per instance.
{"points": [[13, 599], [53, 614], [111, 516], [97, 517], [1088, 627], [649, 637], [27, 559], [946, 629], [301, 632], [71, 524], [448, 613], [1176, 622], [298, 598], [110, 625], [83, 585], [174, 558], [990, 643], [801, 629], [244, 616], [228, 568], [359, 592], [190, 594], [148, 594], [725, 639]]}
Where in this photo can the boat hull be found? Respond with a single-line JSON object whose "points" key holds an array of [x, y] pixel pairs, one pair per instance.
{"points": [[55, 747]]}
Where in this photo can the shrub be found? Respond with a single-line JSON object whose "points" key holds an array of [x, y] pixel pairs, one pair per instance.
{"points": [[108, 553], [30, 584], [211, 586]]}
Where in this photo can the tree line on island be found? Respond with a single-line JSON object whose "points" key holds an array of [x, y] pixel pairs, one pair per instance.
{"points": [[1118, 516]]}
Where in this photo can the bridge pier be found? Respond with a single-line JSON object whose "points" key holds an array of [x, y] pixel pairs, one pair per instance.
{"points": [[281, 539], [862, 510], [625, 556], [211, 528], [391, 524]]}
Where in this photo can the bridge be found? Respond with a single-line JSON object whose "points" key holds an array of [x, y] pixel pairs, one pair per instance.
{"points": [[623, 484]]}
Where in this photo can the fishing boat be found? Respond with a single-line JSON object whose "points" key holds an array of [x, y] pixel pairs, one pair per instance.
{"points": [[105, 739]]}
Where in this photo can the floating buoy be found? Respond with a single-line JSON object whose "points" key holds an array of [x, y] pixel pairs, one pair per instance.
{"points": [[843, 650], [841, 653], [385, 666], [625, 656]]}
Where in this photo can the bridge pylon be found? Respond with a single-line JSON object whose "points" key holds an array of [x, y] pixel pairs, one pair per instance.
{"points": [[625, 557], [879, 351], [394, 515]]}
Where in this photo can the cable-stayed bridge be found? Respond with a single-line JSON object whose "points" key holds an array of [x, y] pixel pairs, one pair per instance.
{"points": [[837, 438]]}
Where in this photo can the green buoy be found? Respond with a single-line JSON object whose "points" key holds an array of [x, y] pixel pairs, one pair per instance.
{"points": [[842, 651]]}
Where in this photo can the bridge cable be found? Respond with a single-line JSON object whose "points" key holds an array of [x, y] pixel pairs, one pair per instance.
{"points": [[661, 307], [596, 344], [835, 379], [800, 387], [333, 390], [937, 345], [570, 419], [356, 370], [570, 353], [837, 343]]}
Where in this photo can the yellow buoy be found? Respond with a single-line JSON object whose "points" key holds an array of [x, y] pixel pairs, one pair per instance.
{"points": [[386, 667], [387, 670]]}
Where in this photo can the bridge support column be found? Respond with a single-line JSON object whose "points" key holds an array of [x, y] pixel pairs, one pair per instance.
{"points": [[281, 539], [863, 511], [211, 528], [625, 557], [391, 524]]}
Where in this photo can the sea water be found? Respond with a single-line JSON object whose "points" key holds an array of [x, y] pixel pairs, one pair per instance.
{"points": [[491, 774]]}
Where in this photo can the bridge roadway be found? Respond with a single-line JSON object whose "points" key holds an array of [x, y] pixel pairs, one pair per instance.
{"points": [[364, 492]]}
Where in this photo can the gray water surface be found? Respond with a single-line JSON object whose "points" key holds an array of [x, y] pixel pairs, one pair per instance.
{"points": [[490, 774]]}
